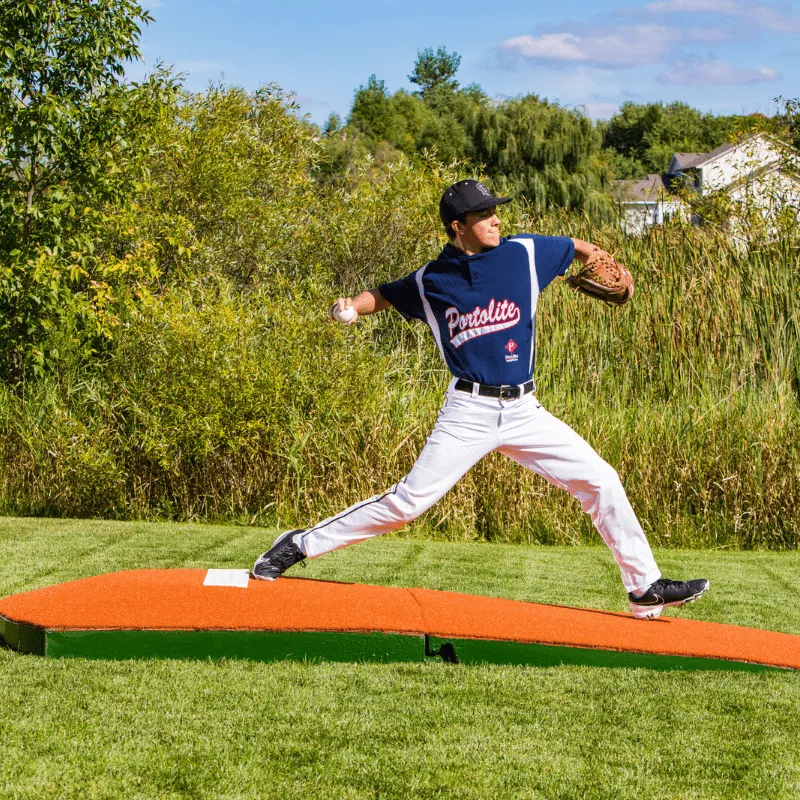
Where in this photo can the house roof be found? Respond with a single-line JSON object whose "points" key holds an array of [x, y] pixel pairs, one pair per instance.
{"points": [[686, 160], [650, 188], [718, 151]]}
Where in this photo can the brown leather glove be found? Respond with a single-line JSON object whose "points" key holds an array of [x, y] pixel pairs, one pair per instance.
{"points": [[603, 278]]}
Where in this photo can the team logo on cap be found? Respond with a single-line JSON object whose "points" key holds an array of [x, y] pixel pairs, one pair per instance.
{"points": [[482, 189]]}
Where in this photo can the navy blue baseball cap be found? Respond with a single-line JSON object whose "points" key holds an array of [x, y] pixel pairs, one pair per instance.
{"points": [[465, 196]]}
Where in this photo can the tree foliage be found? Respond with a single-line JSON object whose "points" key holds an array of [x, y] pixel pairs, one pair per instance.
{"points": [[435, 71], [540, 150], [554, 155], [536, 148], [644, 136], [229, 173], [72, 138]]}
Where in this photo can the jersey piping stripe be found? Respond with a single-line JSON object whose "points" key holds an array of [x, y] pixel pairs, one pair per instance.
{"points": [[431, 320], [528, 245], [347, 512]]}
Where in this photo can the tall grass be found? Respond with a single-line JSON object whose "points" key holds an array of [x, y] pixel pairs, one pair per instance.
{"points": [[218, 405], [227, 395]]}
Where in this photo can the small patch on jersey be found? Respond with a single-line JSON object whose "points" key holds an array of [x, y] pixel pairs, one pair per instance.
{"points": [[511, 346]]}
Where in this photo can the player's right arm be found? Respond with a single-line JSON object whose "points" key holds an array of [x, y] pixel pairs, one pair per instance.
{"points": [[368, 302]]}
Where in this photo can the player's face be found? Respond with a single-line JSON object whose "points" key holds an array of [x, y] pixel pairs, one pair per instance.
{"points": [[482, 230]]}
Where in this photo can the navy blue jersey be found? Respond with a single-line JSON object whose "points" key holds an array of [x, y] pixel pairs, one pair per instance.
{"points": [[481, 309]]}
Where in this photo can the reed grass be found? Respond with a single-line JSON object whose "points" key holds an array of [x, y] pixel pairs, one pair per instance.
{"points": [[218, 401]]}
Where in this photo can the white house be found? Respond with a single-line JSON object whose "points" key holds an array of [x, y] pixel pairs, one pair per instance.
{"points": [[756, 173], [644, 203]]}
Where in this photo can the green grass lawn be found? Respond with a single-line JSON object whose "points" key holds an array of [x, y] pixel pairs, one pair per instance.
{"points": [[92, 729]]}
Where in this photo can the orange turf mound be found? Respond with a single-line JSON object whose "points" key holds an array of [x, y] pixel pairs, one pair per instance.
{"points": [[177, 600]]}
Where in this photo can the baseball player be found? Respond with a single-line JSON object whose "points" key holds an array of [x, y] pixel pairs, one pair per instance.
{"points": [[479, 297]]}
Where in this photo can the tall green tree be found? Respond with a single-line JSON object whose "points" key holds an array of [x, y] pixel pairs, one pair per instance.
{"points": [[435, 70], [373, 114], [71, 132], [435, 118], [645, 136], [550, 154]]}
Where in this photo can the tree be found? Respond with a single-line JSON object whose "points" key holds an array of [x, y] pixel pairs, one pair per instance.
{"points": [[434, 71], [70, 133], [231, 174], [548, 153], [539, 149], [645, 136], [333, 125], [373, 113]]}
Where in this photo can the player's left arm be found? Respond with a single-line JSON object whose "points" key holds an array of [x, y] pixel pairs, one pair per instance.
{"points": [[601, 275], [583, 249]]}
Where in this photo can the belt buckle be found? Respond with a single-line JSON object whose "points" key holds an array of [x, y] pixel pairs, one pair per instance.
{"points": [[509, 392]]}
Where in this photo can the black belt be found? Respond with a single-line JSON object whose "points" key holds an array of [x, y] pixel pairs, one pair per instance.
{"points": [[505, 392]]}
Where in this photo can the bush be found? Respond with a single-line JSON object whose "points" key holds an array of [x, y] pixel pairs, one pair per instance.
{"points": [[225, 394]]}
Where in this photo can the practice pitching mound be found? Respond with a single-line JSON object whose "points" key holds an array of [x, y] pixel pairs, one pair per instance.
{"points": [[200, 614]]}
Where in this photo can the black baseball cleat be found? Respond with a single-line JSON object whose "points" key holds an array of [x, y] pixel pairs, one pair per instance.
{"points": [[283, 554], [665, 593]]}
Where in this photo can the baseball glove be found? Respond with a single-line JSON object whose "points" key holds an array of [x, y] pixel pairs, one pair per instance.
{"points": [[603, 278]]}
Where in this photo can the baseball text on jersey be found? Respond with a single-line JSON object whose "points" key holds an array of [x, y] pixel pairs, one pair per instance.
{"points": [[495, 317]]}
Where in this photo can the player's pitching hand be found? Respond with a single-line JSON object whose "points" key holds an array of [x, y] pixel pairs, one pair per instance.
{"points": [[342, 311]]}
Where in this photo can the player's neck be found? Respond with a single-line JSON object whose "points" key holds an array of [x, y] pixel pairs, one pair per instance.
{"points": [[471, 249]]}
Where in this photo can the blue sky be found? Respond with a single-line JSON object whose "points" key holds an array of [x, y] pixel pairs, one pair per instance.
{"points": [[717, 55]]}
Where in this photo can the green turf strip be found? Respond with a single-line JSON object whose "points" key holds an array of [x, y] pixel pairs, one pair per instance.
{"points": [[255, 645], [382, 648], [477, 651]]}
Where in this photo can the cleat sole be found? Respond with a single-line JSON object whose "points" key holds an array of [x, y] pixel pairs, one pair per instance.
{"points": [[261, 577], [653, 612]]}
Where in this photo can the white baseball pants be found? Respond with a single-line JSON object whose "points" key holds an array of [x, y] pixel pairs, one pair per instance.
{"points": [[468, 428]]}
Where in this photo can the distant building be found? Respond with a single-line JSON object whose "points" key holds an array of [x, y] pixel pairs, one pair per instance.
{"points": [[644, 203], [756, 173]]}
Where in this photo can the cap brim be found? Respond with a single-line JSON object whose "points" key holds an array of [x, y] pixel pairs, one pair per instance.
{"points": [[488, 202]]}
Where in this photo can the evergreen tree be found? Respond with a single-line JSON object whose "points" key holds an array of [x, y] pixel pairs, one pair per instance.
{"points": [[373, 114], [333, 125], [435, 71]]}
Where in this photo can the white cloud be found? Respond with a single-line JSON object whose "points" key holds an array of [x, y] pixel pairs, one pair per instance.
{"points": [[617, 47], [698, 34], [601, 110], [695, 6], [778, 17], [550, 47], [704, 73]]}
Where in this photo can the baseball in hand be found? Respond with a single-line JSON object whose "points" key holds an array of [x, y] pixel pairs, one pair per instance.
{"points": [[345, 315]]}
